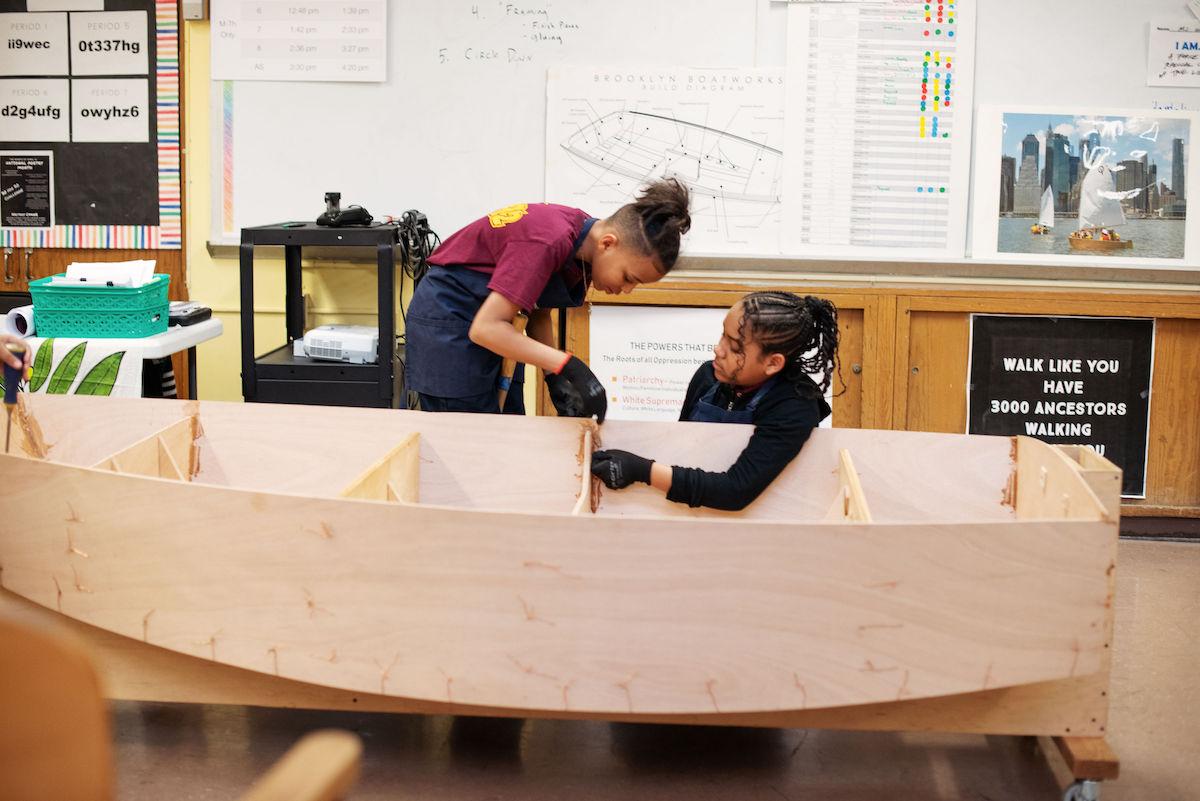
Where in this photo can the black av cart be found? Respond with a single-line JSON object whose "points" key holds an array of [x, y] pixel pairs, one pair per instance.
{"points": [[281, 377]]}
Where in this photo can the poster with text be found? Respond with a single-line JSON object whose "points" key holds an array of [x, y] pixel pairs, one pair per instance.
{"points": [[25, 197], [645, 356], [1066, 381]]}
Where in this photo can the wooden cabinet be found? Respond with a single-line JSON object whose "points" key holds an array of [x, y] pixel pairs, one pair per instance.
{"points": [[20, 266], [904, 354]]}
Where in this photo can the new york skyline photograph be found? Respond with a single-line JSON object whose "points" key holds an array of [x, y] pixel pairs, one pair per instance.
{"points": [[1105, 185]]}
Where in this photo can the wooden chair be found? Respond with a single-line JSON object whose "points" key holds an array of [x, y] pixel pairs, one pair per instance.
{"points": [[55, 739]]}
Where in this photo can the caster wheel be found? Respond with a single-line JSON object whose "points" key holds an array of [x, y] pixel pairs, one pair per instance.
{"points": [[1084, 790]]}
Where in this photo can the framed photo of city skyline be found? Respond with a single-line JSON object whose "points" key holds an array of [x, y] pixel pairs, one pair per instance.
{"points": [[1085, 187]]}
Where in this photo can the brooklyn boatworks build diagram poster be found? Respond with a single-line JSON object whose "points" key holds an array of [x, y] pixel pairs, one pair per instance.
{"points": [[720, 131], [1066, 381]]}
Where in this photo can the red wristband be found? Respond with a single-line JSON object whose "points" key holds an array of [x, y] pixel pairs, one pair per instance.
{"points": [[564, 364]]}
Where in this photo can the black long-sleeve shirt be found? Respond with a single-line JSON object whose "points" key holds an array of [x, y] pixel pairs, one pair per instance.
{"points": [[783, 420]]}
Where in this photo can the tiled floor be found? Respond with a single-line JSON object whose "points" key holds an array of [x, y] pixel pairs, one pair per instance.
{"points": [[210, 752]]}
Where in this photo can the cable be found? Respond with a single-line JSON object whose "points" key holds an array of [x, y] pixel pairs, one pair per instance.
{"points": [[417, 243]]}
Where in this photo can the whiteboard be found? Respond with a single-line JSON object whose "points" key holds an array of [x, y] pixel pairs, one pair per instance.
{"points": [[1067, 54], [1071, 52], [459, 126], [457, 137]]}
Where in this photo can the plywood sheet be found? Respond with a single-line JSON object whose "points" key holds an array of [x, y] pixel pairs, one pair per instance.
{"points": [[134, 670], [906, 476]]}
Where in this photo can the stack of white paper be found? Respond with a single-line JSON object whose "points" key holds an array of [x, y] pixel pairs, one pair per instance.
{"points": [[110, 273]]}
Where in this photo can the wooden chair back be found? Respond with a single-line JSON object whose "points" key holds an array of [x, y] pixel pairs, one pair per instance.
{"points": [[55, 739]]}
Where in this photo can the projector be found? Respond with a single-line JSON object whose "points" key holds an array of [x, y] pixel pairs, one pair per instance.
{"points": [[356, 344]]}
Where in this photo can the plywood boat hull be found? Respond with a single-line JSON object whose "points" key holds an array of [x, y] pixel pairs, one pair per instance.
{"points": [[629, 613]]}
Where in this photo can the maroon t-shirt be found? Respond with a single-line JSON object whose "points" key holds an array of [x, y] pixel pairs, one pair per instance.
{"points": [[521, 247]]}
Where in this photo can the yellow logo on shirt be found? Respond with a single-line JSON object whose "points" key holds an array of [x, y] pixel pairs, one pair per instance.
{"points": [[508, 214]]}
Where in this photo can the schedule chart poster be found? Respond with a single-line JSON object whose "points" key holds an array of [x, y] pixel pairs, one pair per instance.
{"points": [[91, 89], [878, 116], [319, 40], [1066, 381]]}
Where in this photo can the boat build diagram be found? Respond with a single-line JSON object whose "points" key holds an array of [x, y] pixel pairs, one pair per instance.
{"points": [[721, 135]]}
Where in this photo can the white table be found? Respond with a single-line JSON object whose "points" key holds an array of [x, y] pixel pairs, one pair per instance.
{"points": [[173, 340], [177, 338]]}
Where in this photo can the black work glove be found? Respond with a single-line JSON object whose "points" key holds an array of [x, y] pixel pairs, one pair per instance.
{"points": [[576, 392], [619, 469]]}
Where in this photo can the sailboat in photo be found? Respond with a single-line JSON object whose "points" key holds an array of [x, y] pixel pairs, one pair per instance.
{"points": [[1045, 221], [1099, 213]]}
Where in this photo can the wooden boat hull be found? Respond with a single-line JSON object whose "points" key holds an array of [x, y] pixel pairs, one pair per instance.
{"points": [[628, 613], [1099, 245]]}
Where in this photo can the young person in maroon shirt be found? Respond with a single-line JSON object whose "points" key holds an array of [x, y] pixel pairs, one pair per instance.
{"points": [[530, 258], [759, 375]]}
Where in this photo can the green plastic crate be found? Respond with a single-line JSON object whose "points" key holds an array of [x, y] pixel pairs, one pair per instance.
{"points": [[95, 312]]}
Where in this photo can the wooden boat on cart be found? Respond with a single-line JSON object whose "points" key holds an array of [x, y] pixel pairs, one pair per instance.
{"points": [[388, 560]]}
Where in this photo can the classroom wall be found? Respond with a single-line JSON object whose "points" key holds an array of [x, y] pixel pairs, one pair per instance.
{"points": [[340, 292]]}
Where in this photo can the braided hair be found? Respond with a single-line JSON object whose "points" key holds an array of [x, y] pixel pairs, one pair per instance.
{"points": [[804, 330], [655, 221]]}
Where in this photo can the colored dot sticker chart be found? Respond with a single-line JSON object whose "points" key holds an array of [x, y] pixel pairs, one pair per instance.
{"points": [[878, 116], [294, 41]]}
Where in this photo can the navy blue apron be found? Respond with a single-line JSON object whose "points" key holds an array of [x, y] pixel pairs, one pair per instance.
{"points": [[442, 361], [705, 411]]}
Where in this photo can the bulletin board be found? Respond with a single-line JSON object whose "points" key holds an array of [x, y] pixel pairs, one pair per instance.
{"points": [[90, 106]]}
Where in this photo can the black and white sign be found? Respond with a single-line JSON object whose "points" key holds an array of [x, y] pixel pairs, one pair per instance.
{"points": [[25, 196], [35, 110], [109, 43], [1067, 381], [110, 110], [33, 44]]}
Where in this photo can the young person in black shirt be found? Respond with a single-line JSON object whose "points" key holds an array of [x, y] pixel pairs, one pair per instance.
{"points": [[759, 375]]}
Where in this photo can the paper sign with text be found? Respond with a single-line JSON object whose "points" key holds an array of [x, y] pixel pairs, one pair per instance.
{"points": [[35, 110], [110, 110], [645, 356], [33, 44], [1066, 381], [26, 183], [1174, 53], [109, 43]]}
